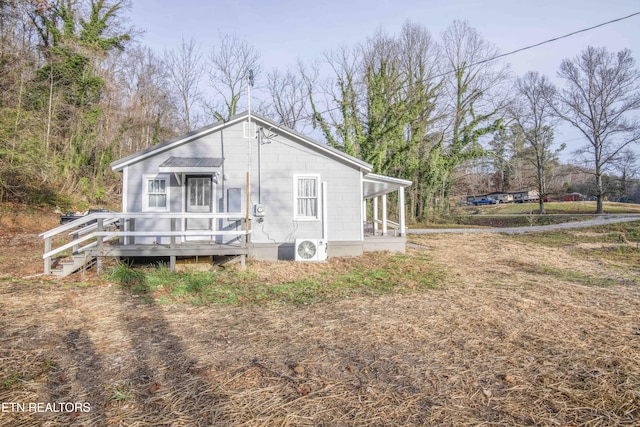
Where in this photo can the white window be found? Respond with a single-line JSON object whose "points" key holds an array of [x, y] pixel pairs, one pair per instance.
{"points": [[306, 197], [156, 193]]}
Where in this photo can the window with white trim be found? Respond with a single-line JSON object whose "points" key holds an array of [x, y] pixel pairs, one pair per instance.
{"points": [[306, 197], [156, 193]]}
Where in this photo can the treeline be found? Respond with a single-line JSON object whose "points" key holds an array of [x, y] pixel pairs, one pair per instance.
{"points": [[79, 90], [76, 93]]}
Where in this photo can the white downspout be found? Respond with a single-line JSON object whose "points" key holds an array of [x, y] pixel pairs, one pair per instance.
{"points": [[364, 215], [125, 190], [325, 215], [125, 202]]}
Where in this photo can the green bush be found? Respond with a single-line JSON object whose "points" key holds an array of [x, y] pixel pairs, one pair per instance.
{"points": [[127, 276]]}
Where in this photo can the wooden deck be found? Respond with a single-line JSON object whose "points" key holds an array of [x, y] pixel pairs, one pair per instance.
{"points": [[102, 235], [183, 249], [190, 249]]}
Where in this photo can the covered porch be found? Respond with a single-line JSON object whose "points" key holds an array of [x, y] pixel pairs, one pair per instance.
{"points": [[383, 229]]}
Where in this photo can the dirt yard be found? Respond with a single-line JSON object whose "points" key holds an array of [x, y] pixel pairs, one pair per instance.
{"points": [[510, 337]]}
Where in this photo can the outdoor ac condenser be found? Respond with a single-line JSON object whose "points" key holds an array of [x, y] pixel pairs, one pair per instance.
{"points": [[310, 250]]}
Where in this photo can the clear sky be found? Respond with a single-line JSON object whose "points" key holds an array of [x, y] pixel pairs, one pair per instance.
{"points": [[285, 30]]}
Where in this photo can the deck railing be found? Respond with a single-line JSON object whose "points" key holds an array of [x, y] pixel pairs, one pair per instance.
{"points": [[385, 225], [92, 231]]}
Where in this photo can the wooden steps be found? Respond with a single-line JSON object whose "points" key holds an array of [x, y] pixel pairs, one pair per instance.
{"points": [[75, 263]]}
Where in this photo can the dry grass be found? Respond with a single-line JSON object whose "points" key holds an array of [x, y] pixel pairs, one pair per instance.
{"points": [[498, 343]]}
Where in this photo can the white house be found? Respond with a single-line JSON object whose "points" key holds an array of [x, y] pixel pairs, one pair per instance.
{"points": [[253, 187]]}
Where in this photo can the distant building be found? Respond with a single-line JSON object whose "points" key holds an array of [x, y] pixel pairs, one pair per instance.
{"points": [[572, 197]]}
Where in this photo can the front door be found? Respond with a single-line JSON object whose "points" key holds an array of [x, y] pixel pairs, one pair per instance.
{"points": [[199, 200]]}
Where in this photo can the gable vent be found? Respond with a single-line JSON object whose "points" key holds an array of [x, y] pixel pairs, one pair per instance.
{"points": [[249, 130]]}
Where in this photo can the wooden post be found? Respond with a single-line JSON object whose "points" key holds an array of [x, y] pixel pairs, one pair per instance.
{"points": [[132, 227], [99, 245], [47, 261], [172, 245], [248, 191], [375, 215], [364, 211], [401, 213], [246, 237], [122, 239], [75, 247]]}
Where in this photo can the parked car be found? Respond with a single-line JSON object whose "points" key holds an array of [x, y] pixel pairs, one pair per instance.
{"points": [[485, 201], [625, 199]]}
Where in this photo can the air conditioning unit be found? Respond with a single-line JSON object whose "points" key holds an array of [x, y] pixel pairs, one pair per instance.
{"points": [[311, 250]]}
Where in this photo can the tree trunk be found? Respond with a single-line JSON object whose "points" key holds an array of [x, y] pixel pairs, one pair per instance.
{"points": [[600, 203], [599, 189]]}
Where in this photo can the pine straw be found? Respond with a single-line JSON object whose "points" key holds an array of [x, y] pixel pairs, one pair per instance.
{"points": [[495, 345]]}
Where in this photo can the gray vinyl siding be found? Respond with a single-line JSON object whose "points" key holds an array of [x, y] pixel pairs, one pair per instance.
{"points": [[280, 161]]}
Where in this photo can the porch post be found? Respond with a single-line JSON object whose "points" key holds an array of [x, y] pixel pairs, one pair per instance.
{"points": [[364, 211], [172, 245], [47, 261], [99, 245], [375, 215], [401, 213], [132, 227], [122, 240], [384, 215]]}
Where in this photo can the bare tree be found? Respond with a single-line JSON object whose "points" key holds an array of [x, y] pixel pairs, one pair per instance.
{"points": [[184, 72], [228, 68], [474, 89], [628, 169], [149, 117], [342, 127], [601, 91], [288, 97], [535, 119]]}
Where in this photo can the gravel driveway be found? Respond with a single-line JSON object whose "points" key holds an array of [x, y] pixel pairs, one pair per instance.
{"points": [[601, 220]]}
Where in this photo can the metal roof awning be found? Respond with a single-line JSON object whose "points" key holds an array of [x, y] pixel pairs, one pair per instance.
{"points": [[191, 165], [377, 185]]}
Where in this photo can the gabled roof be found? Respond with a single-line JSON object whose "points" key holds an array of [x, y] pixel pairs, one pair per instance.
{"points": [[331, 152]]}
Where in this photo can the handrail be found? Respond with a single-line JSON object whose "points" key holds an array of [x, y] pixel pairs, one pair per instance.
{"points": [[128, 215], [67, 246], [69, 226], [92, 227], [389, 223]]}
